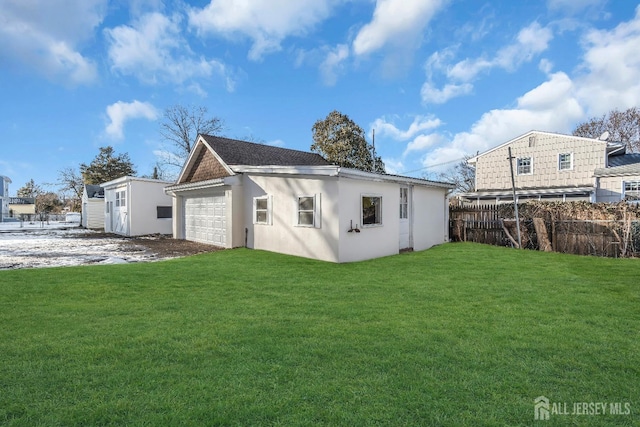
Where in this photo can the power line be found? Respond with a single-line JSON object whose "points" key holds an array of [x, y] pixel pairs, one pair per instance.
{"points": [[433, 166]]}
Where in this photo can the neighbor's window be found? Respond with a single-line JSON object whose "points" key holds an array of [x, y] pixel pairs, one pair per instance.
{"points": [[121, 198], [565, 161], [632, 190], [371, 210], [404, 203], [164, 212], [262, 210], [306, 211], [524, 165]]}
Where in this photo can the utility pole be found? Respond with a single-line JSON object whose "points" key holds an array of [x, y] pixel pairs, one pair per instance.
{"points": [[515, 200]]}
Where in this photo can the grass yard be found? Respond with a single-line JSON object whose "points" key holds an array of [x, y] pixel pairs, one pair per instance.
{"points": [[462, 334]]}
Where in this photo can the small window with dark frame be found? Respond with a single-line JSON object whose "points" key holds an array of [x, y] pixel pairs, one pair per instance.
{"points": [[524, 165], [164, 212], [371, 210]]}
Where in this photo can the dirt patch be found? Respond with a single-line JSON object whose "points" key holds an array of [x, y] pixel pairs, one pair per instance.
{"points": [[161, 246]]}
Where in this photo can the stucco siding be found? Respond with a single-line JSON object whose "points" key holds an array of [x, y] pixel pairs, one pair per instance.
{"points": [[493, 171], [430, 217], [372, 241], [282, 234]]}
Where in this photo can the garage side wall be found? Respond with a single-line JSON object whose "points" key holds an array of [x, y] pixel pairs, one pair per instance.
{"points": [[282, 234], [372, 241], [430, 223]]}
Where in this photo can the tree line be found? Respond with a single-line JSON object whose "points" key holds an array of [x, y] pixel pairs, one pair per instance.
{"points": [[337, 138]]}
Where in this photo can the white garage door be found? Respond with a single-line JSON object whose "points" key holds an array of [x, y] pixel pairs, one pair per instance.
{"points": [[205, 220]]}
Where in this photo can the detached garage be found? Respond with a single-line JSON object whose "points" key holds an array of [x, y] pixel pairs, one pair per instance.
{"points": [[234, 193]]}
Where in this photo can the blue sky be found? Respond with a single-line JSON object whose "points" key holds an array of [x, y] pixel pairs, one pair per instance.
{"points": [[436, 79]]}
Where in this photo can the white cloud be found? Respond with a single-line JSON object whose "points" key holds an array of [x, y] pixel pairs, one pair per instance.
{"points": [[333, 64], [276, 143], [529, 42], [422, 142], [266, 22], [432, 95], [420, 124], [153, 50], [393, 166], [46, 38], [610, 72], [120, 112], [396, 23]]}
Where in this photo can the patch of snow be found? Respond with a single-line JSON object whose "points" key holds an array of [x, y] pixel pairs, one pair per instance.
{"points": [[60, 245]]}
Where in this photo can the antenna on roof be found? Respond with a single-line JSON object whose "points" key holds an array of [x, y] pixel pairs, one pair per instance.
{"points": [[605, 136]]}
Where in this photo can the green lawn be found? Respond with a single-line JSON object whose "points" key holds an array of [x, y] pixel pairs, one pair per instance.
{"points": [[462, 334]]}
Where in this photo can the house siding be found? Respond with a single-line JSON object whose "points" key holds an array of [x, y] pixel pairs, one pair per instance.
{"points": [[610, 188], [493, 170], [205, 167]]}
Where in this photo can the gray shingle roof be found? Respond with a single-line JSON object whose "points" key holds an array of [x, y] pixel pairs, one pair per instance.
{"points": [[235, 152], [626, 164]]}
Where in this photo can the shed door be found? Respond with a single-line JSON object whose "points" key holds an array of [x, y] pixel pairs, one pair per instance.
{"points": [[205, 219], [405, 218]]}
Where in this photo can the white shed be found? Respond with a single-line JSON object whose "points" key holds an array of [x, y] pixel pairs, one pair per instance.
{"points": [[93, 207], [234, 193], [137, 206]]}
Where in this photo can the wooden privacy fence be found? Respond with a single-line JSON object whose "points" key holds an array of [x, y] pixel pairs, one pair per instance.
{"points": [[601, 237]]}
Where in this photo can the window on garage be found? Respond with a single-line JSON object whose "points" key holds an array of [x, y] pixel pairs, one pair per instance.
{"points": [[371, 210], [262, 210], [307, 211]]}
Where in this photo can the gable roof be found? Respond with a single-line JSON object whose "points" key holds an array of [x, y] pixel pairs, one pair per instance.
{"points": [[534, 133], [235, 152]]}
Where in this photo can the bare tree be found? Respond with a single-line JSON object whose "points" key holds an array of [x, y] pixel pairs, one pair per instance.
{"points": [[180, 128], [623, 126], [70, 180], [462, 175]]}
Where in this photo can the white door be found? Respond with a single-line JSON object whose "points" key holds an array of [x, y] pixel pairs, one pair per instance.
{"points": [[405, 218], [206, 220]]}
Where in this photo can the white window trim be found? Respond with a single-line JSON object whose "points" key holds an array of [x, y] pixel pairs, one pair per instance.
{"points": [[402, 204], [269, 220], [570, 162], [381, 223], [518, 169], [624, 191], [316, 211]]}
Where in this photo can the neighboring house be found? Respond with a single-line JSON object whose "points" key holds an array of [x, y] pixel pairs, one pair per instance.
{"points": [[137, 206], [233, 193], [555, 167], [93, 207], [4, 197], [19, 206]]}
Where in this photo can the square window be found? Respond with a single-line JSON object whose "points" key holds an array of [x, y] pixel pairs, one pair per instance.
{"points": [[262, 210], [371, 210], [565, 161], [524, 165]]}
